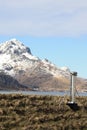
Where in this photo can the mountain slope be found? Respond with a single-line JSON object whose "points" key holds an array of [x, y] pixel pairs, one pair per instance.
{"points": [[18, 62], [9, 83]]}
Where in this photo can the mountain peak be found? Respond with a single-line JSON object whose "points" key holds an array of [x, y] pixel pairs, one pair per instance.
{"points": [[15, 42], [13, 46]]}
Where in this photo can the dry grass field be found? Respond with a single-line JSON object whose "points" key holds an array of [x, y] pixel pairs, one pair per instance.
{"points": [[31, 112]]}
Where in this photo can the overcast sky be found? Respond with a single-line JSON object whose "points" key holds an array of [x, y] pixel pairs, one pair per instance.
{"points": [[54, 29], [43, 17]]}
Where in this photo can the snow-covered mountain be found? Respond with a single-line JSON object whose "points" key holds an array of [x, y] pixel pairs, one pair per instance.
{"points": [[15, 57], [17, 61]]}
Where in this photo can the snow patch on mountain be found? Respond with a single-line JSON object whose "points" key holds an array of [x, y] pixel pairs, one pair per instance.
{"points": [[54, 70], [65, 68], [30, 56]]}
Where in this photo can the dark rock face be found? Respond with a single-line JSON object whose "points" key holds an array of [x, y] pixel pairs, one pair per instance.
{"points": [[9, 83]]}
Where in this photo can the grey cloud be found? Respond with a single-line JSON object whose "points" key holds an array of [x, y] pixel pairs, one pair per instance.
{"points": [[43, 17]]}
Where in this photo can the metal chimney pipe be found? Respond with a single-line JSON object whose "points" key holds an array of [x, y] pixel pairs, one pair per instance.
{"points": [[72, 87]]}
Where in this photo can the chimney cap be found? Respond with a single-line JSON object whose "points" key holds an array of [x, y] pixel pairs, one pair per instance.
{"points": [[74, 73]]}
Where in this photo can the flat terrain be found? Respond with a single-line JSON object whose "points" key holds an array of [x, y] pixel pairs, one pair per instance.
{"points": [[29, 112]]}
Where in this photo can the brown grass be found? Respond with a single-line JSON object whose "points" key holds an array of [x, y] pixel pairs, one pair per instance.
{"points": [[27, 112]]}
